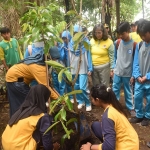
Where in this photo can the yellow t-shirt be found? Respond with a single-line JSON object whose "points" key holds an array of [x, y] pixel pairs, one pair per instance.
{"points": [[29, 73], [99, 51], [135, 37], [19, 136]]}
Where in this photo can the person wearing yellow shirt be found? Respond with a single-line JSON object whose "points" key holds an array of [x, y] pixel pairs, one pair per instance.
{"points": [[114, 131], [10, 52], [133, 35], [102, 52], [19, 76], [25, 129]]}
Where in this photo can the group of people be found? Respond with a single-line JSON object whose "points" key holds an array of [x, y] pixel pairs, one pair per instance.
{"points": [[126, 61]]}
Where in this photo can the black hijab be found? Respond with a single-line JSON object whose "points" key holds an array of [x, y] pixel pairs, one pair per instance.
{"points": [[33, 105]]}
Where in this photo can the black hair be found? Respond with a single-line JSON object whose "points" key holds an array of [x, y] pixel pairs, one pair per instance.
{"points": [[104, 36], [123, 27], [107, 96], [143, 26], [84, 29], [4, 30]]}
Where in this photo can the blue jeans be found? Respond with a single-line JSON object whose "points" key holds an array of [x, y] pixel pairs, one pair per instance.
{"points": [[141, 91], [117, 81], [17, 92]]}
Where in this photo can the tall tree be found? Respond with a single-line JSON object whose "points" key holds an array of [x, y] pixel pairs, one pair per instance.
{"points": [[117, 11]]}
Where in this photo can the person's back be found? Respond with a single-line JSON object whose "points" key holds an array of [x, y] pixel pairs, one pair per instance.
{"points": [[126, 136], [21, 134], [26, 127]]}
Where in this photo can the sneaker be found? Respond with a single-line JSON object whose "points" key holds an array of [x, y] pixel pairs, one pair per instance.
{"points": [[148, 144], [132, 113], [80, 106], [145, 122], [135, 120], [72, 101], [88, 108]]}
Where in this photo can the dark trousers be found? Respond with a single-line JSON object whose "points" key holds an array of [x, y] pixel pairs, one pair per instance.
{"points": [[17, 92]]}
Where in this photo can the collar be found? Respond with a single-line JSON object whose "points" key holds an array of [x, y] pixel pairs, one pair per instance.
{"points": [[7, 41], [107, 107]]}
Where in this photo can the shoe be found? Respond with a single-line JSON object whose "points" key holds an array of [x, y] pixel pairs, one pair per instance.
{"points": [[72, 101], [88, 108], [135, 120], [132, 113], [80, 106], [148, 144], [145, 122]]}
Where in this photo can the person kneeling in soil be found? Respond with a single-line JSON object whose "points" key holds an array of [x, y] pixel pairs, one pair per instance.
{"points": [[114, 131], [25, 129]]}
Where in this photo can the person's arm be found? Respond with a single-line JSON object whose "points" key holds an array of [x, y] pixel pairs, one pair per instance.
{"points": [[136, 69], [111, 55], [3, 59], [115, 55], [45, 123], [89, 57], [26, 54], [39, 74], [109, 136]]}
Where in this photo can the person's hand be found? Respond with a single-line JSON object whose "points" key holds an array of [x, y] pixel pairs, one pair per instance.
{"points": [[131, 80], [7, 68], [139, 79], [86, 146], [56, 146], [111, 73], [89, 73], [144, 79]]}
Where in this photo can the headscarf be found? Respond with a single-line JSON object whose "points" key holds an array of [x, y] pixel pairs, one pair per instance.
{"points": [[54, 52], [34, 104], [36, 58], [66, 34]]}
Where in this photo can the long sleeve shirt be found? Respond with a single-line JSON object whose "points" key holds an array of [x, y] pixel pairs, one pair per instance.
{"points": [[141, 64], [26, 133], [123, 58], [118, 133], [29, 73]]}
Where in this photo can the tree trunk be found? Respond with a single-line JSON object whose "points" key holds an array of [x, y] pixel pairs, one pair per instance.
{"points": [[117, 11], [67, 9], [103, 11]]}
